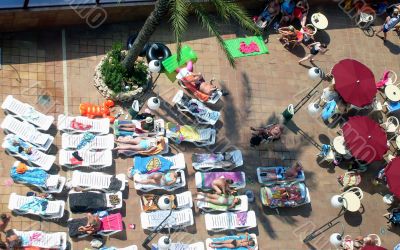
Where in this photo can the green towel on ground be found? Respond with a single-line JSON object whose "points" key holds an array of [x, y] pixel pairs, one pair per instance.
{"points": [[233, 45]]}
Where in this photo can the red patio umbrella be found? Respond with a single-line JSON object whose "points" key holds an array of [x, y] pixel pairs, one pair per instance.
{"points": [[365, 139], [392, 172], [354, 82], [372, 248]]}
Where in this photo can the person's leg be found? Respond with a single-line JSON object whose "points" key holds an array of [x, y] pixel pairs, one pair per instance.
{"points": [[216, 189], [128, 147], [147, 181], [305, 58], [129, 140], [312, 57]]}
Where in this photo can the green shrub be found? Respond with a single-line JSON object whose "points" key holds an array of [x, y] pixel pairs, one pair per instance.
{"points": [[116, 76]]}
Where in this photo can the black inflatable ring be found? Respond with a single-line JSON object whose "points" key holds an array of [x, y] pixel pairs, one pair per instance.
{"points": [[131, 40], [158, 51]]}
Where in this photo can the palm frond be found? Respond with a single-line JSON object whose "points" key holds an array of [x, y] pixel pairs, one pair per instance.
{"points": [[211, 26], [235, 11], [222, 11], [179, 10]]}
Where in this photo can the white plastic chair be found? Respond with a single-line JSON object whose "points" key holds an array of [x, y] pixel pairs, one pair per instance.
{"points": [[95, 180], [356, 190], [364, 20]]}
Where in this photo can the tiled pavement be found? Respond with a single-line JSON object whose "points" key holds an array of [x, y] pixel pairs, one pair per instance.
{"points": [[260, 88]]}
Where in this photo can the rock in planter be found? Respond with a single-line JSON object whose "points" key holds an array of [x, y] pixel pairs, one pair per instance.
{"points": [[107, 93]]}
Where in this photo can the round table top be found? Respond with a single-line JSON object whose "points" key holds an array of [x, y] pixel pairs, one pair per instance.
{"points": [[319, 21], [338, 144], [392, 92], [352, 203]]}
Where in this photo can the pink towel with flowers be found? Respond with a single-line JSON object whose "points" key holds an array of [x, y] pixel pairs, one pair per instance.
{"points": [[250, 48]]}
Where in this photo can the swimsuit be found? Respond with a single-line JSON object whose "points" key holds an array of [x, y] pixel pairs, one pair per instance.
{"points": [[166, 179], [226, 200], [147, 144]]}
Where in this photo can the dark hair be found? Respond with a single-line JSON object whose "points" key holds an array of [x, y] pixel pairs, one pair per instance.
{"points": [[178, 174], [239, 201], [255, 140], [229, 181], [323, 45], [3, 217], [252, 243], [3, 245]]}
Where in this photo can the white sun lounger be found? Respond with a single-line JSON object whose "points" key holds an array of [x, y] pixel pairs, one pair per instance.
{"points": [[99, 126], [164, 151], [178, 219], [207, 136], [27, 132], [44, 240], [71, 141], [210, 207], [159, 128], [110, 224], [27, 113], [95, 180], [54, 183], [252, 236], [37, 158], [204, 115], [204, 184], [91, 159], [229, 160], [178, 160], [110, 207], [183, 246], [55, 209], [148, 187], [182, 200], [229, 221]]}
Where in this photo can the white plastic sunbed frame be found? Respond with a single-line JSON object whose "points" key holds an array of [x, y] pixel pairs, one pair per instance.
{"points": [[104, 233], [203, 118], [27, 132], [95, 180], [20, 110], [55, 183], [159, 129], [47, 240], [41, 160], [228, 221], [207, 136], [199, 181], [109, 206], [183, 246], [252, 236], [54, 210], [178, 160], [71, 141], [207, 207], [260, 178], [91, 159], [99, 126], [149, 187], [236, 161], [183, 200], [178, 219]]}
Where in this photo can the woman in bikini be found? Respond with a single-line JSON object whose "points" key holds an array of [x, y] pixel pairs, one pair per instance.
{"points": [[230, 200], [145, 126], [138, 144], [92, 226], [248, 243], [161, 179]]}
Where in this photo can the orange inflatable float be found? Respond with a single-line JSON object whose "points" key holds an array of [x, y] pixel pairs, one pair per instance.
{"points": [[92, 110]]}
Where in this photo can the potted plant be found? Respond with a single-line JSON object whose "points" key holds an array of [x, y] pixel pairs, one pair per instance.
{"points": [[117, 82]]}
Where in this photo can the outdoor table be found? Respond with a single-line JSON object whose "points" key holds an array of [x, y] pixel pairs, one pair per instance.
{"points": [[392, 92], [319, 21], [338, 144], [351, 202]]}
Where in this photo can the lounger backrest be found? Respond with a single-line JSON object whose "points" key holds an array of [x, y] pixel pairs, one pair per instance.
{"points": [[93, 179], [23, 130], [14, 106], [184, 199]]}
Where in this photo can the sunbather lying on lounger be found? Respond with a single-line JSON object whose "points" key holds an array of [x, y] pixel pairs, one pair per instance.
{"points": [[248, 243], [222, 186], [138, 144], [161, 179], [146, 126], [230, 200], [13, 241], [92, 226]]}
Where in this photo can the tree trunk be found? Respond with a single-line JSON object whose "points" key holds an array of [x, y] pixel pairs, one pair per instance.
{"points": [[149, 27]]}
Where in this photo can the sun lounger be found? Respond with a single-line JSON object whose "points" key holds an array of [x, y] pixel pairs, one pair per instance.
{"points": [[27, 132], [239, 221], [91, 159], [161, 149], [71, 141], [34, 205], [178, 219], [98, 181], [93, 201], [210, 207], [39, 178], [153, 202], [110, 224], [36, 157], [233, 237], [43, 240], [159, 128], [200, 137], [96, 126], [285, 195], [227, 161], [27, 113], [197, 109], [183, 246], [157, 163], [204, 180], [181, 182], [271, 175]]}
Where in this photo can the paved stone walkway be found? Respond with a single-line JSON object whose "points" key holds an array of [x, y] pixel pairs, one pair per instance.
{"points": [[260, 89]]}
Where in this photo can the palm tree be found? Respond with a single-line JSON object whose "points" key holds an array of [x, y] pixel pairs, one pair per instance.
{"points": [[179, 11]]}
